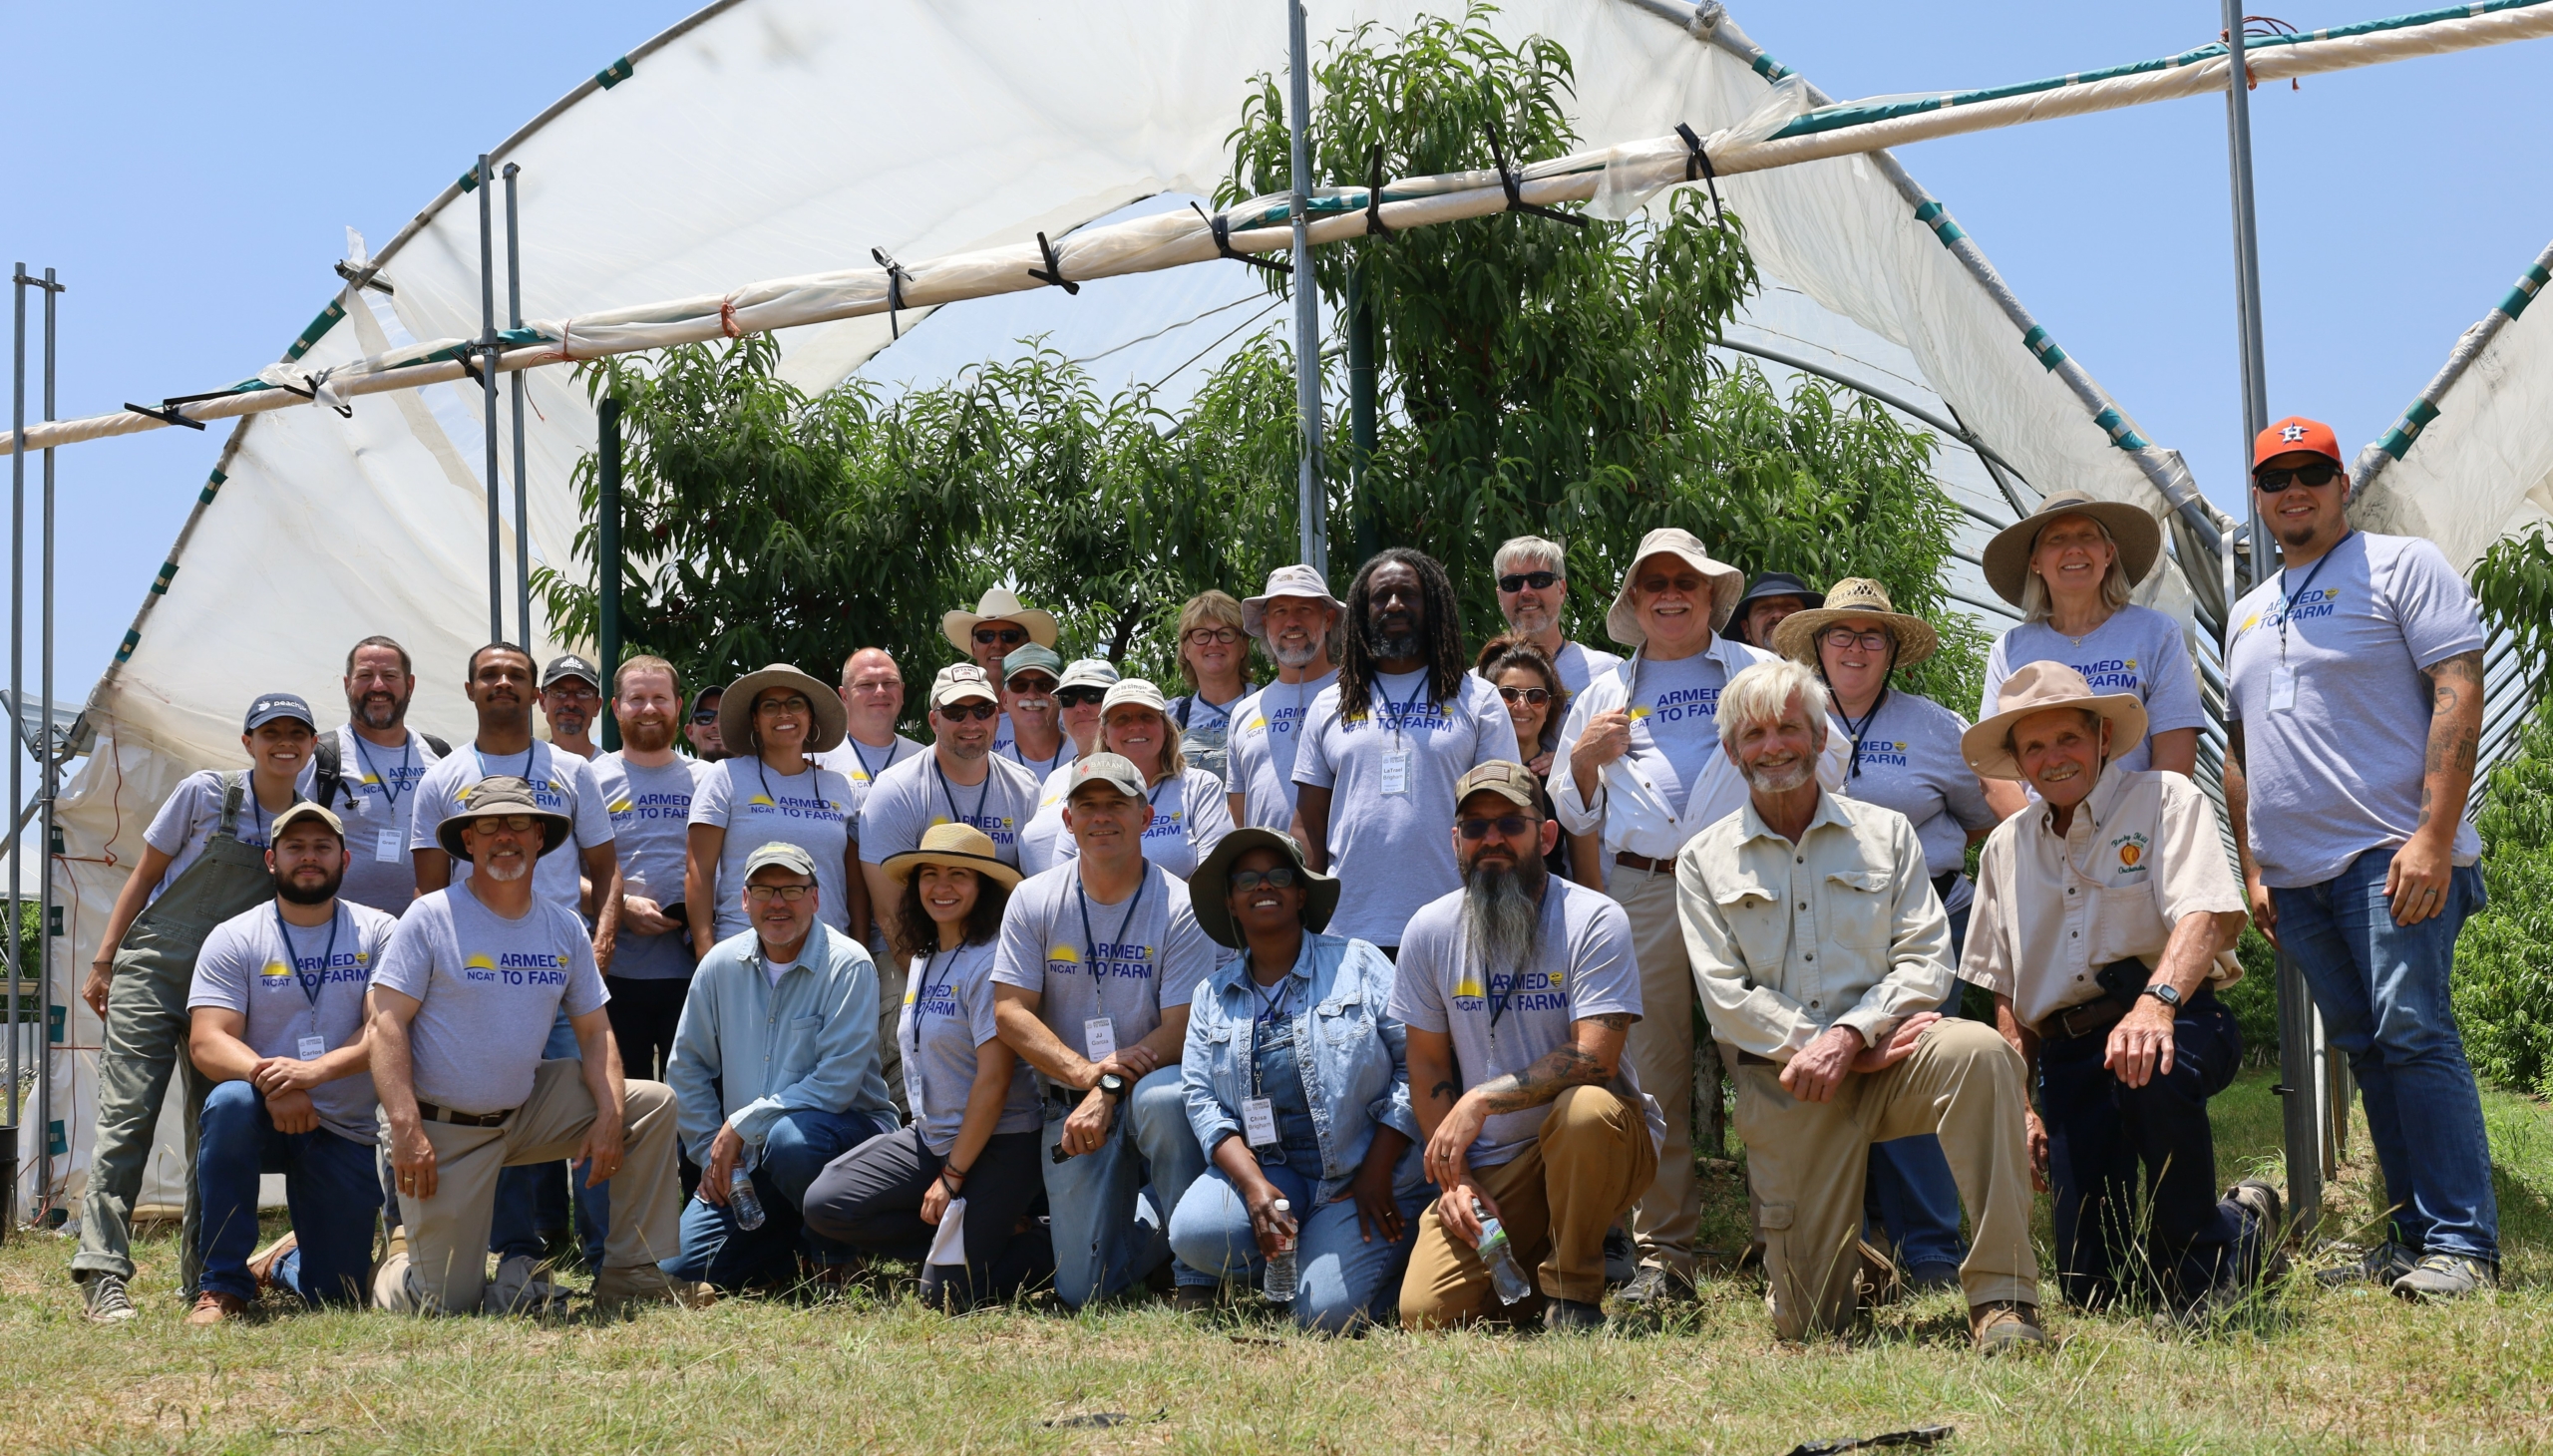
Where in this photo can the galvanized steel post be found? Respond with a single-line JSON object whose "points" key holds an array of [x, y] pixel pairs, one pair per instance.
{"points": [[1309, 505]]}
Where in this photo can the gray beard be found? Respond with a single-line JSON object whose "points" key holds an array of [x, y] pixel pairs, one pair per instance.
{"points": [[1502, 909], [1781, 782], [1393, 649], [1289, 656]]}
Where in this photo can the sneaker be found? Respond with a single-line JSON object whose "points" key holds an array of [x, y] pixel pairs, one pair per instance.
{"points": [[261, 1265], [213, 1307], [1194, 1298], [521, 1287], [2266, 1212], [2001, 1326], [1621, 1258], [2383, 1265], [621, 1290], [106, 1298], [1569, 1316], [2441, 1276], [1655, 1287]]}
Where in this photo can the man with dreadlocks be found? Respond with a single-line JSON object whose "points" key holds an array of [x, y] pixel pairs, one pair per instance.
{"points": [[1383, 746]]}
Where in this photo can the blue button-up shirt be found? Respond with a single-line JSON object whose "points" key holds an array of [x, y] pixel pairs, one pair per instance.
{"points": [[748, 1051]]}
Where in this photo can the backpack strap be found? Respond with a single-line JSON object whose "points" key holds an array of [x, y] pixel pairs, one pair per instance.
{"points": [[328, 771], [441, 748]]}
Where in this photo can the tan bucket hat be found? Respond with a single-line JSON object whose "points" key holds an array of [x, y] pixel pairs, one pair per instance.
{"points": [[1209, 889], [1854, 598], [736, 709], [997, 606], [1727, 583], [2036, 688], [495, 797], [961, 845], [1296, 580], [2007, 556]]}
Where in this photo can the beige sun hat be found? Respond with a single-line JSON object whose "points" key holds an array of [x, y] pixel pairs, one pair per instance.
{"points": [[2036, 688], [961, 845], [825, 712], [1854, 598], [2007, 556], [496, 797], [1297, 580], [1727, 583], [997, 606]]}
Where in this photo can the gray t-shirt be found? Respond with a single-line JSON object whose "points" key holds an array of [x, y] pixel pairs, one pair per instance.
{"points": [[1045, 828], [2339, 773], [810, 809], [488, 990], [377, 799], [1580, 665], [2138, 651], [1675, 712], [1266, 731], [1190, 818], [561, 782], [1580, 967], [1391, 827], [914, 795], [186, 823], [1125, 962], [311, 986], [1039, 768], [947, 1017], [650, 811], [1909, 762], [861, 764]]}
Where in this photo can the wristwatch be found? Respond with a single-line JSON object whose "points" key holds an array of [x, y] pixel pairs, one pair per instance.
{"points": [[1111, 1086], [2164, 993]]}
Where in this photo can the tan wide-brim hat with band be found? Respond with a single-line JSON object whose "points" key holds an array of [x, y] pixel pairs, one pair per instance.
{"points": [[1858, 599], [1209, 889], [1727, 583], [2036, 688], [736, 709], [2007, 556], [495, 797], [997, 606], [1296, 580], [959, 845]]}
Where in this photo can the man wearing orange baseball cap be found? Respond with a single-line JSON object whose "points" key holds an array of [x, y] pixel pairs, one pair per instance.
{"points": [[2354, 703]]}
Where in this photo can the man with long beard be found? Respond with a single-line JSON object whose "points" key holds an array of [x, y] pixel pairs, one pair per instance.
{"points": [[1820, 951], [1517, 991], [1296, 624], [368, 772]]}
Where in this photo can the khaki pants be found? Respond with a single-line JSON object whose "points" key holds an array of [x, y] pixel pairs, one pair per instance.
{"points": [[445, 1268], [1555, 1199], [1663, 1052], [1808, 1161]]}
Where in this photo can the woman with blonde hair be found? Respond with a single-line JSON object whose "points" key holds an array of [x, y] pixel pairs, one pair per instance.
{"points": [[1214, 657], [1189, 813]]}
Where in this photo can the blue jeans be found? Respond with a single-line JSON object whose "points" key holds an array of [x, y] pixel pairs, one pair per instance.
{"points": [[328, 1186], [795, 1149], [2382, 992], [1339, 1276], [1110, 1229], [1909, 1193]]}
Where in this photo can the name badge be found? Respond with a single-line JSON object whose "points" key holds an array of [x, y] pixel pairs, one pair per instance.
{"points": [[389, 848], [1099, 1038], [1259, 1122], [1396, 771], [2282, 688], [313, 1048]]}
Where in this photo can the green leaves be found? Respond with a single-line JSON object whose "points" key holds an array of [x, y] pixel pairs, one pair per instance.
{"points": [[2514, 582], [2504, 959]]}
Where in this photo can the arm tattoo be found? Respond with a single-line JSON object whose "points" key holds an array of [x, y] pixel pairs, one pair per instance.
{"points": [[2455, 702], [1616, 1020], [1445, 1090], [1564, 1067]]}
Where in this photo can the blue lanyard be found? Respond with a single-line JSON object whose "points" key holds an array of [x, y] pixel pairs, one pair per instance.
{"points": [[2287, 602], [952, 794], [1400, 710], [871, 774], [1090, 942], [311, 984], [407, 751], [1263, 1014], [481, 754], [1042, 769], [922, 997]]}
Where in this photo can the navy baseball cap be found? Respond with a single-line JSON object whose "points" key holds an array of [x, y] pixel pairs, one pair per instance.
{"points": [[270, 706]]}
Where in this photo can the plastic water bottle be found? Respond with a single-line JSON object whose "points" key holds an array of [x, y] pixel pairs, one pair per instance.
{"points": [[742, 1201], [1499, 1255], [1278, 1285]]}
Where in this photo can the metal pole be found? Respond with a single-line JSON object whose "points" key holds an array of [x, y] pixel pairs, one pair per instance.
{"points": [[17, 696], [607, 551], [523, 514], [487, 414], [1309, 503], [51, 779], [1360, 413]]}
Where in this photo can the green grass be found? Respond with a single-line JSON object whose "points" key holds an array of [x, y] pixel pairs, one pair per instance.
{"points": [[2332, 1371]]}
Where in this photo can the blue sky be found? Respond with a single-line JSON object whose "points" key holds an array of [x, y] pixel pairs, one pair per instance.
{"points": [[192, 170]]}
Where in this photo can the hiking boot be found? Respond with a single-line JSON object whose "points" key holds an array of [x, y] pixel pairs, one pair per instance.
{"points": [[261, 1265], [2441, 1276], [2266, 1212], [1654, 1288], [1621, 1258], [1194, 1298], [213, 1307], [2003, 1325], [521, 1287], [2385, 1264], [617, 1290], [106, 1298], [1570, 1316]]}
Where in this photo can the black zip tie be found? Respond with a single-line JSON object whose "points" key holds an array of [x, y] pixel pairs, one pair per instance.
{"points": [[364, 277], [1515, 197], [1697, 167], [1222, 228], [164, 416], [896, 276], [469, 368], [1054, 271], [1374, 195]]}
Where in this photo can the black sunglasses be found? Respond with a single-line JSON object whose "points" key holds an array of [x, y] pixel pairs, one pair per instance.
{"points": [[960, 712], [704, 715], [2312, 476], [1509, 826], [1539, 580], [1006, 636], [1074, 697], [1532, 697], [1280, 878]]}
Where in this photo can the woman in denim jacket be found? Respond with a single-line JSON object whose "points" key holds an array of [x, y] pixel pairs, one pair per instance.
{"points": [[1329, 1132]]}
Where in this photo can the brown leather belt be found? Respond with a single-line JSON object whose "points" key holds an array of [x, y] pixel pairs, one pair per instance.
{"points": [[2082, 1020], [432, 1113], [1750, 1059], [1643, 863]]}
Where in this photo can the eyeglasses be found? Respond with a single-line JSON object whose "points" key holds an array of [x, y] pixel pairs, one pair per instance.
{"points": [[1507, 826], [704, 715], [1280, 878], [792, 894], [1079, 697], [1532, 697], [971, 709], [518, 823], [1006, 636], [1204, 636], [2312, 476], [1539, 580], [1845, 638], [1032, 686], [795, 705]]}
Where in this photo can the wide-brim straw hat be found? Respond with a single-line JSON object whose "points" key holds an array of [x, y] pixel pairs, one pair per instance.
{"points": [[736, 709], [2036, 688], [997, 606], [1854, 598], [960, 844], [1294, 580], [1211, 886], [494, 798], [2007, 556], [1727, 583]]}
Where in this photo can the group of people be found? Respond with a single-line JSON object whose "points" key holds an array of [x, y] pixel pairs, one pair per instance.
{"points": [[1394, 1008]]}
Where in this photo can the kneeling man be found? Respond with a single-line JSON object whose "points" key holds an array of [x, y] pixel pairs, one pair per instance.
{"points": [[462, 1004], [2102, 915], [1821, 954]]}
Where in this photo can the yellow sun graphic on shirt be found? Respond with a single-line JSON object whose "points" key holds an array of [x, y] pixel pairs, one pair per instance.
{"points": [[1065, 954], [762, 801], [619, 804], [275, 971], [480, 962], [1469, 986]]}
